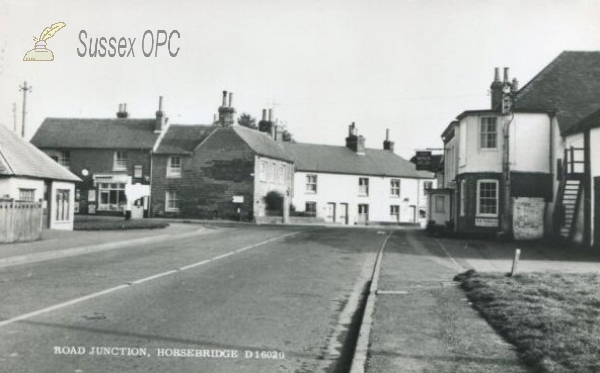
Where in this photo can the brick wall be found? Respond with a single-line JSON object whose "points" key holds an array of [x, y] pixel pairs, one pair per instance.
{"points": [[100, 161], [466, 223], [221, 168]]}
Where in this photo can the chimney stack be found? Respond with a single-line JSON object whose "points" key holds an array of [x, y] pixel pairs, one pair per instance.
{"points": [[355, 142], [496, 91], [266, 124], [227, 113], [122, 113], [387, 144], [161, 121]]}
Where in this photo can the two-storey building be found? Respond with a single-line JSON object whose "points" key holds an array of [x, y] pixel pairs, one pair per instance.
{"points": [[353, 184], [112, 157], [512, 169]]}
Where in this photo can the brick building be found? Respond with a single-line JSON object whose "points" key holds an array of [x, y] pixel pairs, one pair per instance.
{"points": [[218, 171], [111, 156]]}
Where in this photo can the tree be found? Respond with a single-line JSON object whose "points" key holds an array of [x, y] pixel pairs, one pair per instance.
{"points": [[247, 120]]}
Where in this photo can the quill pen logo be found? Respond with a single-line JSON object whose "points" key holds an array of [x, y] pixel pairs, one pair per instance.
{"points": [[40, 52]]}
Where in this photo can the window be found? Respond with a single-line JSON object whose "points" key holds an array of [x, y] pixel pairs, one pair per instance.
{"points": [[272, 172], [174, 167], [311, 184], [395, 212], [280, 174], [120, 163], [488, 133], [463, 197], [395, 187], [363, 186], [111, 197], [487, 198], [172, 201], [427, 185], [363, 213], [440, 204], [27, 195], [310, 208], [62, 204], [263, 170], [137, 171], [77, 201], [64, 158]]}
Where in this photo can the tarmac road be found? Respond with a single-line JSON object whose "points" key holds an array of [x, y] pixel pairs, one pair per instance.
{"points": [[243, 299]]}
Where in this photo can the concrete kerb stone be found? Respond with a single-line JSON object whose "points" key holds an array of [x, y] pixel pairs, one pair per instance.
{"points": [[362, 344]]}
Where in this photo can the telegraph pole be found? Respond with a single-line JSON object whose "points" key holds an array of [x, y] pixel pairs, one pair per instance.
{"points": [[25, 89], [14, 117]]}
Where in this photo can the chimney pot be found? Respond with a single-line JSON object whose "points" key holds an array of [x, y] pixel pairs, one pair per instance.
{"points": [[160, 103], [270, 115], [506, 75], [496, 74], [515, 85], [387, 134], [224, 98], [230, 99], [264, 114]]}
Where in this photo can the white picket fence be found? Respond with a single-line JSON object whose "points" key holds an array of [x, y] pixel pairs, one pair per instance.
{"points": [[20, 221]]}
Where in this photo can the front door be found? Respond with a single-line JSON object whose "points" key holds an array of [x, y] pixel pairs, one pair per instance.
{"points": [[597, 212], [330, 213], [363, 214], [137, 210], [344, 213]]}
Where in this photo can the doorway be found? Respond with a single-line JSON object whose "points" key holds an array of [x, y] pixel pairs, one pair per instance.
{"points": [[330, 217], [344, 213]]}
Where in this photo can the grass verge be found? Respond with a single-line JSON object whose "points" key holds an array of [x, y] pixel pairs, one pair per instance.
{"points": [[120, 224], [552, 318]]}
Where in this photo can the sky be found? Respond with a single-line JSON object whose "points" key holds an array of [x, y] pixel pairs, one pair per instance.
{"points": [[410, 66]]}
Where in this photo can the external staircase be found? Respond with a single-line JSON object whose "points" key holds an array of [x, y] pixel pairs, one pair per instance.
{"points": [[570, 191]]}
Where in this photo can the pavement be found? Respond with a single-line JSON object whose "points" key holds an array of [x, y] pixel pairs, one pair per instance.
{"points": [[423, 322], [57, 244]]}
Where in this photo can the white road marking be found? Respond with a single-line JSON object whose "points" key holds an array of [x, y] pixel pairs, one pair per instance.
{"points": [[458, 266], [136, 282]]}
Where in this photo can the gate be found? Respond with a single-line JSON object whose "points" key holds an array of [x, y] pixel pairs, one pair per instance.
{"points": [[20, 221]]}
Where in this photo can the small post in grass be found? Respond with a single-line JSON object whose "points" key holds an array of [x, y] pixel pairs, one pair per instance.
{"points": [[515, 262]]}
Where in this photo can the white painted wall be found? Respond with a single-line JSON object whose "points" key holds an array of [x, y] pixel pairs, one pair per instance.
{"points": [[338, 189], [63, 224], [451, 159], [9, 187], [529, 140], [264, 184]]}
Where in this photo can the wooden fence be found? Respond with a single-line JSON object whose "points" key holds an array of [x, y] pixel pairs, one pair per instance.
{"points": [[20, 221]]}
